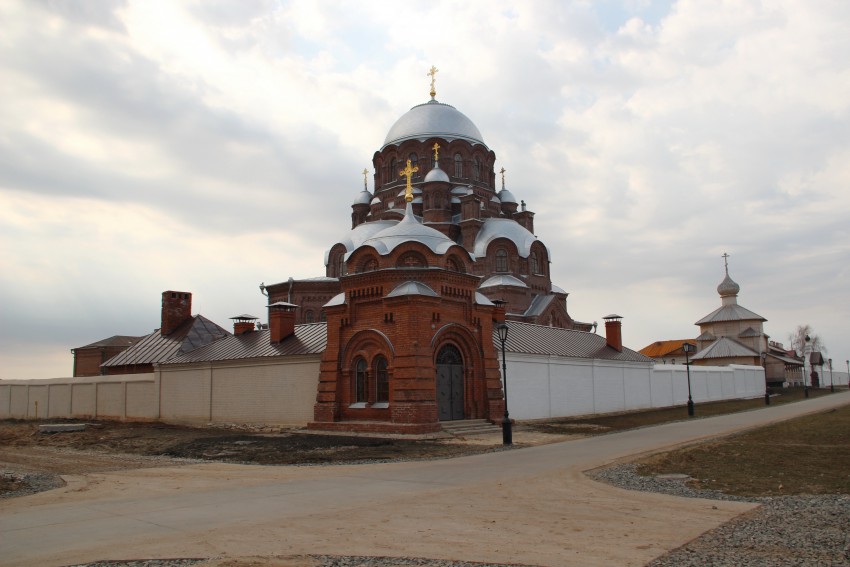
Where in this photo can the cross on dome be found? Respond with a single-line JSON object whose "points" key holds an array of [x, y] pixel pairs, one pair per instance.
{"points": [[433, 73], [408, 172]]}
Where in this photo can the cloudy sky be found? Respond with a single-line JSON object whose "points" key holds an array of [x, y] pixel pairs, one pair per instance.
{"points": [[209, 146]]}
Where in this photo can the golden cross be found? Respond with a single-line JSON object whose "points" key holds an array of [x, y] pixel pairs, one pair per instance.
{"points": [[433, 73], [436, 148], [408, 172], [502, 171], [365, 173]]}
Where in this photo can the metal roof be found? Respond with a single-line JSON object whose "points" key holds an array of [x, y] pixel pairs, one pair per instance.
{"points": [[528, 338], [113, 341], [538, 304], [410, 230], [195, 332], [309, 338], [659, 349], [503, 279], [494, 228], [412, 288], [733, 312], [724, 347], [433, 119]]}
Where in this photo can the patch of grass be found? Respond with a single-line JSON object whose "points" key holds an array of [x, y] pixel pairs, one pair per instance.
{"points": [[631, 420], [806, 455]]}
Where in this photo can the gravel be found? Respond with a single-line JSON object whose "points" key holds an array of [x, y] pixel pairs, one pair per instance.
{"points": [[784, 531]]}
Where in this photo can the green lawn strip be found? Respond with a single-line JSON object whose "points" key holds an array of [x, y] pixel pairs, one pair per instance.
{"points": [[806, 455]]}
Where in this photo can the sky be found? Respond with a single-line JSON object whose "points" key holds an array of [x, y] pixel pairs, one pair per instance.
{"points": [[209, 146]]}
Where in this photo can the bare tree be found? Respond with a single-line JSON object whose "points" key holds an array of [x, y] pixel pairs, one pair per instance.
{"points": [[798, 340]]}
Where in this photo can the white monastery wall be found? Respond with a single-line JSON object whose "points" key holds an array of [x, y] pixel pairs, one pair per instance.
{"points": [[542, 387], [91, 397], [263, 392]]}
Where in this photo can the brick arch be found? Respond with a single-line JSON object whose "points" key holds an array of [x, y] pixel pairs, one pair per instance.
{"points": [[367, 343], [475, 390]]}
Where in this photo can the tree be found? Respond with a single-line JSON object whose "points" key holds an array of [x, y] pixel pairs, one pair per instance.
{"points": [[798, 340]]}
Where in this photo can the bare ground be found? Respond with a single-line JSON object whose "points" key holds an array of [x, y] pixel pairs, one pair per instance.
{"points": [[28, 457]]}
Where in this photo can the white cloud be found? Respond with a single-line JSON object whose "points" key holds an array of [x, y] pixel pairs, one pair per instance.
{"points": [[212, 145]]}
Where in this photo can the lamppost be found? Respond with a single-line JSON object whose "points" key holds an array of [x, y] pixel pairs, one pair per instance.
{"points": [[766, 389], [507, 433], [689, 348], [806, 350], [831, 384]]}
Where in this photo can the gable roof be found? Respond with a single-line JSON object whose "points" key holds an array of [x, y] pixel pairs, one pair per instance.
{"points": [[528, 338], [194, 333], [309, 338]]}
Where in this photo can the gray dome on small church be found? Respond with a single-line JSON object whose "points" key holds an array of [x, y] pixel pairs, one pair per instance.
{"points": [[433, 119], [728, 287]]}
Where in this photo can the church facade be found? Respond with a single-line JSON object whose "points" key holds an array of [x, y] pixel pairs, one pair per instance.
{"points": [[435, 258]]}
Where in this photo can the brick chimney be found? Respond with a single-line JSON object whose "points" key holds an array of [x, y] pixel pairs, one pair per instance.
{"points": [[281, 321], [243, 324], [614, 332], [176, 309]]}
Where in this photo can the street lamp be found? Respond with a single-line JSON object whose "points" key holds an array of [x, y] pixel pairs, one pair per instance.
{"points": [[507, 433], [766, 390], [689, 348], [831, 384], [806, 382]]}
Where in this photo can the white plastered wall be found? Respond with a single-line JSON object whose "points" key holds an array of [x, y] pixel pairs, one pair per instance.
{"points": [[542, 387]]}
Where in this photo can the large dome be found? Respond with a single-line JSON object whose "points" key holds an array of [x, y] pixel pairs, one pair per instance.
{"points": [[433, 119]]}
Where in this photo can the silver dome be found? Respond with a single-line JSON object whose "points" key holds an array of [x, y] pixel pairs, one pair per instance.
{"points": [[437, 175], [506, 196], [433, 119], [364, 198]]}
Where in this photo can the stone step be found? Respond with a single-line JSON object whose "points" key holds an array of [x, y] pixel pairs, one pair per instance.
{"points": [[470, 427]]}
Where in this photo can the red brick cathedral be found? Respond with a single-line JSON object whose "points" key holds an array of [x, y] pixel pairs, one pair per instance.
{"points": [[435, 258]]}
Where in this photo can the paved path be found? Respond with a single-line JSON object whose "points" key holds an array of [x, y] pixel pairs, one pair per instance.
{"points": [[531, 506]]}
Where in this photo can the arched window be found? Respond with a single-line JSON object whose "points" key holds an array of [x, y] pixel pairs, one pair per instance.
{"points": [[360, 381], [534, 263], [476, 169], [382, 380], [394, 176], [308, 316], [501, 260], [414, 163], [340, 265], [427, 202], [458, 166], [438, 201]]}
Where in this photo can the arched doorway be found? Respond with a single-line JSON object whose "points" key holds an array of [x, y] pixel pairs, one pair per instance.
{"points": [[449, 384]]}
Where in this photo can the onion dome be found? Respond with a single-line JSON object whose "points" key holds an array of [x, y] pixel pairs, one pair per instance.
{"points": [[727, 287], [436, 174], [433, 119], [506, 196], [363, 198], [409, 230]]}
